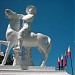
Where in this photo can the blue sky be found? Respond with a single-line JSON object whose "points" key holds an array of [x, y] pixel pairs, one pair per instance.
{"points": [[53, 18]]}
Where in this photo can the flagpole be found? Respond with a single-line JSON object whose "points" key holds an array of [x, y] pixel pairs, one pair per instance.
{"points": [[69, 54], [71, 65]]}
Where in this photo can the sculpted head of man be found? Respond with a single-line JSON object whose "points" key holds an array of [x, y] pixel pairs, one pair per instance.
{"points": [[31, 9]]}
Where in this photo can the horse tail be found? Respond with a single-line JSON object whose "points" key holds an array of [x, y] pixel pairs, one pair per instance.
{"points": [[49, 44]]}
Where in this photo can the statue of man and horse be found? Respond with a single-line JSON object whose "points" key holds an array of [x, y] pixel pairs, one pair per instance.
{"points": [[24, 37]]}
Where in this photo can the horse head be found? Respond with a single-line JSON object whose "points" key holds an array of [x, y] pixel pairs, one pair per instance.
{"points": [[10, 14]]}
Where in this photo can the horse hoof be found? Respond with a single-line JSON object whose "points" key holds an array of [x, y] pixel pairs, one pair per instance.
{"points": [[1, 64], [43, 64]]}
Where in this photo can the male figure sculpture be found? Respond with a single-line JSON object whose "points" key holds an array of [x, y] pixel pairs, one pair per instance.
{"points": [[29, 39], [27, 20]]}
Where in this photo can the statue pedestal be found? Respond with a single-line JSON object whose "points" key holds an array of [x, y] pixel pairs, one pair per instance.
{"points": [[26, 61], [31, 70], [17, 58]]}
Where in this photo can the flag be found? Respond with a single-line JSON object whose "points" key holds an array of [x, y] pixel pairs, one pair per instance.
{"points": [[69, 52], [62, 67], [65, 59], [59, 61]]}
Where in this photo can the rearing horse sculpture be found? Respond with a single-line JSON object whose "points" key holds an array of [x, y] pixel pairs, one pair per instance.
{"points": [[42, 42], [11, 32]]}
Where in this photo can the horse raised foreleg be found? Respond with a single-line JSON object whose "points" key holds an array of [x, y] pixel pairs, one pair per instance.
{"points": [[4, 42], [10, 45]]}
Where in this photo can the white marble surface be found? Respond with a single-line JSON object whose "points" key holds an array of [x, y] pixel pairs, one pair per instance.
{"points": [[32, 70], [26, 72], [29, 68]]}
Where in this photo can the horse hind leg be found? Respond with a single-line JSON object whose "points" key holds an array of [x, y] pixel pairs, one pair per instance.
{"points": [[46, 48], [48, 44], [45, 56], [44, 59]]}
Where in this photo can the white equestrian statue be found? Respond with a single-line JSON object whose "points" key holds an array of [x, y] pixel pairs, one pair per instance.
{"points": [[24, 37]]}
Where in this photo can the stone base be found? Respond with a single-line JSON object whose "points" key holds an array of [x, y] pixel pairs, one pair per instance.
{"points": [[31, 70]]}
